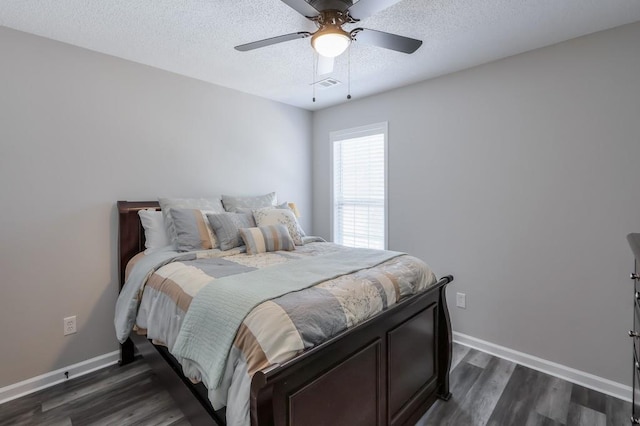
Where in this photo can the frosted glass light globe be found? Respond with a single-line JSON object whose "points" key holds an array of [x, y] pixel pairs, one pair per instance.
{"points": [[330, 42]]}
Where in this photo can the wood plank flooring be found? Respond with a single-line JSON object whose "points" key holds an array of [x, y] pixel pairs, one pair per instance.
{"points": [[491, 391], [486, 391], [129, 395]]}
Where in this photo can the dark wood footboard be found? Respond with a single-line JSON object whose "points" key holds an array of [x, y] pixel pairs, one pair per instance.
{"points": [[386, 371]]}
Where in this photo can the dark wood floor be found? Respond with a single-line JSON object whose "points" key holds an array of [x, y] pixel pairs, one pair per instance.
{"points": [[486, 391], [492, 391], [129, 395]]}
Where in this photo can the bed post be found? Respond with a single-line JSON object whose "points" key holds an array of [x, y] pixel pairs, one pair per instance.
{"points": [[126, 352], [445, 339], [260, 400]]}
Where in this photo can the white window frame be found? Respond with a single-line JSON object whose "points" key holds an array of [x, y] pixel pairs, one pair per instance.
{"points": [[356, 132]]}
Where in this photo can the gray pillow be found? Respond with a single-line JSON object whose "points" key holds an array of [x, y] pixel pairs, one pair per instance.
{"points": [[248, 210], [227, 228], [166, 204], [234, 204], [193, 230]]}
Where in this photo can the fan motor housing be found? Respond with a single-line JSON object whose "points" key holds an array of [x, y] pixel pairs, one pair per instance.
{"points": [[341, 5]]}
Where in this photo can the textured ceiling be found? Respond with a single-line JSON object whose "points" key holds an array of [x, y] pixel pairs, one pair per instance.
{"points": [[196, 38]]}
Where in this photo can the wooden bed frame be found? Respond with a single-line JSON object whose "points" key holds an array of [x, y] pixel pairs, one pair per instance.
{"points": [[386, 371]]}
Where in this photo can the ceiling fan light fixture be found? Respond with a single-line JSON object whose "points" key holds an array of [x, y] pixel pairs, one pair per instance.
{"points": [[330, 41]]}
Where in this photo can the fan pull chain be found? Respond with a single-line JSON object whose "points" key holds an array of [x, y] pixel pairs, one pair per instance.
{"points": [[349, 72], [314, 65]]}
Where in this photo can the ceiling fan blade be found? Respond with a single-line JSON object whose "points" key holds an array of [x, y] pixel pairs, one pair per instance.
{"points": [[365, 8], [325, 65], [302, 7], [386, 40], [273, 40]]}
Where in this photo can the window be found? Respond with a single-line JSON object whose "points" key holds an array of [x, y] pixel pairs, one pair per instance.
{"points": [[359, 186]]}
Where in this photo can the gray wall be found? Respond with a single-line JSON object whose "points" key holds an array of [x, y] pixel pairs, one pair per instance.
{"points": [[80, 130], [519, 177]]}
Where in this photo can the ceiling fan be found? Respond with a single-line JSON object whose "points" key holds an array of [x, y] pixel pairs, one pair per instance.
{"points": [[331, 40]]}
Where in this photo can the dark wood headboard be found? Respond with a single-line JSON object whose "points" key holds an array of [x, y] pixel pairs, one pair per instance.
{"points": [[130, 231]]}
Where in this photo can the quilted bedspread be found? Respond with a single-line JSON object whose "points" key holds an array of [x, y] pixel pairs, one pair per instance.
{"points": [[274, 331]]}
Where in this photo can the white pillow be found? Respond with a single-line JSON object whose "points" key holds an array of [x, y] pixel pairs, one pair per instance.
{"points": [[271, 216], [155, 233]]}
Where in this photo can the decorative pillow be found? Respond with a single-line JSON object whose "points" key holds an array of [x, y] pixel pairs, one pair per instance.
{"points": [[270, 216], [267, 238], [227, 228], [284, 205], [166, 204], [233, 204], [294, 209], [193, 230], [155, 233]]}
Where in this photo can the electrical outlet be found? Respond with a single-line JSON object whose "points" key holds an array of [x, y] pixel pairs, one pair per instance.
{"points": [[69, 325], [461, 300]]}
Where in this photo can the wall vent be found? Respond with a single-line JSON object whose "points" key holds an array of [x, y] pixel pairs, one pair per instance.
{"points": [[327, 83]]}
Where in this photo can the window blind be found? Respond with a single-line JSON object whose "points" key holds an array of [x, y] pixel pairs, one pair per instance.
{"points": [[359, 186]]}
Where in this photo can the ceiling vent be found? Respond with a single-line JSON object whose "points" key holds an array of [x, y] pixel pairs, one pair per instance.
{"points": [[327, 83]]}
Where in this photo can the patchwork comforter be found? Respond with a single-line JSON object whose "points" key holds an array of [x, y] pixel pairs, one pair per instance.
{"points": [[161, 287]]}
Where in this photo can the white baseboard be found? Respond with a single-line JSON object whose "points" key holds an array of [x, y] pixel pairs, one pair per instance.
{"points": [[569, 374], [572, 375], [52, 378]]}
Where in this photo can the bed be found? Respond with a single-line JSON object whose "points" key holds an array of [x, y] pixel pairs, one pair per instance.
{"points": [[386, 370]]}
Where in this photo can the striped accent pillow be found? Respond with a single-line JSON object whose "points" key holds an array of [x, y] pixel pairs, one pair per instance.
{"points": [[193, 230], [267, 238]]}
